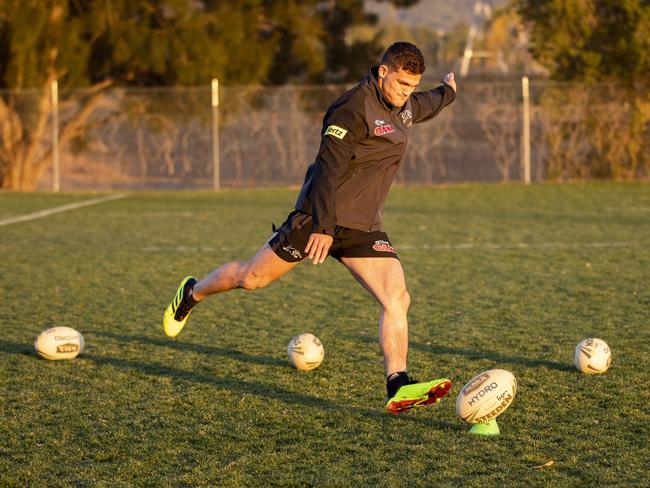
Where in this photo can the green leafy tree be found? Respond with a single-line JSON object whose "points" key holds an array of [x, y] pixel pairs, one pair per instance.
{"points": [[591, 40], [318, 47], [97, 44], [594, 41], [347, 61]]}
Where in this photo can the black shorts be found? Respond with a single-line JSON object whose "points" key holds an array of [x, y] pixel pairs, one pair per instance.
{"points": [[291, 239]]}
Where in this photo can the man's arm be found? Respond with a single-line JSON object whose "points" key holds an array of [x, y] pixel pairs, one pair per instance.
{"points": [[344, 127], [427, 104]]}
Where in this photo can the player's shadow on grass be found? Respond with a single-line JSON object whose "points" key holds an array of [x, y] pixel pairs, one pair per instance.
{"points": [[493, 356], [273, 392], [478, 354], [191, 347], [240, 386]]}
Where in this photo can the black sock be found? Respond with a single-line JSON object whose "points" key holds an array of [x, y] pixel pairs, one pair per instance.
{"points": [[187, 302], [395, 381], [188, 297]]}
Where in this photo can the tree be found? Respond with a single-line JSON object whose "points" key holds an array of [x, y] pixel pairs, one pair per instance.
{"points": [[591, 40], [604, 135], [98, 44], [317, 47]]}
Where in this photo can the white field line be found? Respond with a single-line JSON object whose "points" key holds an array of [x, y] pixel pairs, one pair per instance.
{"points": [[62, 208], [434, 247]]}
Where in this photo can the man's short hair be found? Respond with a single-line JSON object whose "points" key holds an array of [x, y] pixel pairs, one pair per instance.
{"points": [[404, 55]]}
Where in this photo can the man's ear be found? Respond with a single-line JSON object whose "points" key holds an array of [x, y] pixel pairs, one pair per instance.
{"points": [[383, 70]]}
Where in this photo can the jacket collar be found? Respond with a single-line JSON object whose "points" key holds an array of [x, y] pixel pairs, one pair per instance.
{"points": [[371, 80]]}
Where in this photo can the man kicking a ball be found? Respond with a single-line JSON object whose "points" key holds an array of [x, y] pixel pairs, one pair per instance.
{"points": [[339, 212]]}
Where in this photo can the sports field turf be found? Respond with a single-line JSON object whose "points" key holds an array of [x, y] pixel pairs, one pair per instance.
{"points": [[500, 276]]}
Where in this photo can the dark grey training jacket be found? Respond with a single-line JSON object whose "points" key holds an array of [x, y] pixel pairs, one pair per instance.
{"points": [[362, 143]]}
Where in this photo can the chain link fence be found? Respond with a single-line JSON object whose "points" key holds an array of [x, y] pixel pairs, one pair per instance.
{"points": [[127, 138]]}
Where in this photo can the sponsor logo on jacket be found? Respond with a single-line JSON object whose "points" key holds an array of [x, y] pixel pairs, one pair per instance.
{"points": [[407, 118], [336, 131], [383, 128]]}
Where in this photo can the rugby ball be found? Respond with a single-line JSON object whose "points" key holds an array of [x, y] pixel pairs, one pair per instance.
{"points": [[305, 351], [486, 396], [59, 343], [592, 356]]}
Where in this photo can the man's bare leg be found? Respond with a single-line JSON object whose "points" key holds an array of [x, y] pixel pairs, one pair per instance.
{"points": [[262, 269], [259, 271], [384, 280]]}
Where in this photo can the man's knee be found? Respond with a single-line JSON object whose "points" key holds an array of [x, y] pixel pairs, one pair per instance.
{"points": [[399, 301], [252, 280]]}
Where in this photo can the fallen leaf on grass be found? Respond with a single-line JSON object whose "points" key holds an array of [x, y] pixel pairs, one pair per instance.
{"points": [[545, 465]]}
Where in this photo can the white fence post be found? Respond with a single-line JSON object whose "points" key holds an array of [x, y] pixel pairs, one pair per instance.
{"points": [[54, 98], [525, 141], [216, 163]]}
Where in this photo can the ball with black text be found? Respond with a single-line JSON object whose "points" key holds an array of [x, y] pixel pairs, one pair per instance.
{"points": [[486, 396], [305, 352], [59, 343], [592, 356]]}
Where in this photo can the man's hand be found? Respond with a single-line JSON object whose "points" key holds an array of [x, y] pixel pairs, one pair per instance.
{"points": [[449, 79], [318, 246]]}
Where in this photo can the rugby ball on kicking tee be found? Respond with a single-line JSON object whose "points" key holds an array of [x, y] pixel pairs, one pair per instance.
{"points": [[486, 396], [305, 351], [59, 343], [592, 356]]}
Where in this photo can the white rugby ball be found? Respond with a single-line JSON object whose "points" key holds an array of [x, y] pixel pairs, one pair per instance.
{"points": [[592, 356], [305, 351], [486, 396], [59, 343]]}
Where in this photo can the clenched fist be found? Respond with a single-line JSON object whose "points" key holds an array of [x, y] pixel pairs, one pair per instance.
{"points": [[449, 79]]}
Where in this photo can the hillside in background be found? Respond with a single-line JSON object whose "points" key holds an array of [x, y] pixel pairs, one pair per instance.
{"points": [[436, 14]]}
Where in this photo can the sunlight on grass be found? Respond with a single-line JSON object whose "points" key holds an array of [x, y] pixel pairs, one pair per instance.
{"points": [[500, 276]]}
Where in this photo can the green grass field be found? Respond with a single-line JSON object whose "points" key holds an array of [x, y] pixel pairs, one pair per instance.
{"points": [[500, 276]]}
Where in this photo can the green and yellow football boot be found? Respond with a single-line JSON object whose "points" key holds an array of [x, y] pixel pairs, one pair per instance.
{"points": [[179, 309], [406, 393]]}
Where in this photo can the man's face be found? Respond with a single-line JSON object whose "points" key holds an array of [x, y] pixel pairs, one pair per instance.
{"points": [[398, 85]]}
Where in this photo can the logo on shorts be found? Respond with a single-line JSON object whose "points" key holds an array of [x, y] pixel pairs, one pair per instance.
{"points": [[293, 251], [383, 246]]}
